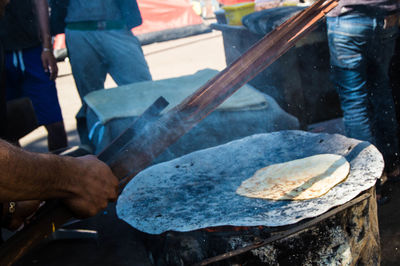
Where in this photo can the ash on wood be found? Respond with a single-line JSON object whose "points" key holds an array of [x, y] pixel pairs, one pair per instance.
{"points": [[349, 237], [189, 211], [198, 190]]}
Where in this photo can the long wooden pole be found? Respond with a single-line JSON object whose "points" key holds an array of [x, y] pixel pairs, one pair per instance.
{"points": [[193, 109], [156, 136]]}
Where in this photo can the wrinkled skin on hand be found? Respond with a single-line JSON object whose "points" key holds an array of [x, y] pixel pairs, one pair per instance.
{"points": [[96, 186], [91, 185]]}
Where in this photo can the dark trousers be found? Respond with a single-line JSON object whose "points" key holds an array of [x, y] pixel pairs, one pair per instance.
{"points": [[3, 107], [394, 74]]}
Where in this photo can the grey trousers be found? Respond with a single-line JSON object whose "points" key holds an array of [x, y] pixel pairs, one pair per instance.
{"points": [[94, 54]]}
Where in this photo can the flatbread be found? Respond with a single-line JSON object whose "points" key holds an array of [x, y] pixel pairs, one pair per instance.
{"points": [[301, 179]]}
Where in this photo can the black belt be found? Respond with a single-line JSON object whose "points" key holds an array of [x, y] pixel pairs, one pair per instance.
{"points": [[96, 25]]}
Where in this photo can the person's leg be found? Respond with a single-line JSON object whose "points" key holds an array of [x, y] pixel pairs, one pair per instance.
{"points": [[348, 39], [384, 123], [56, 136], [126, 62], [43, 94], [13, 76], [394, 70], [13, 84], [88, 69], [3, 109], [86, 59]]}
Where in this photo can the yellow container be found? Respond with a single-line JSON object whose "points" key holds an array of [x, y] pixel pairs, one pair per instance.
{"points": [[234, 13]]}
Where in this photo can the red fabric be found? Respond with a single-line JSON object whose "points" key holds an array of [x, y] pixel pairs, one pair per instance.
{"points": [[160, 15], [157, 15], [233, 2], [59, 42]]}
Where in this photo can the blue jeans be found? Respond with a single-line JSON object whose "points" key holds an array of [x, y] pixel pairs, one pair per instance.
{"points": [[361, 48]]}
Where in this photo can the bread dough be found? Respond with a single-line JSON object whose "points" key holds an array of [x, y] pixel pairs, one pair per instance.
{"points": [[301, 179]]}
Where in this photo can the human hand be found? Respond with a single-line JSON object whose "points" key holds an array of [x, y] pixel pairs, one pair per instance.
{"points": [[49, 63], [23, 210], [95, 186]]}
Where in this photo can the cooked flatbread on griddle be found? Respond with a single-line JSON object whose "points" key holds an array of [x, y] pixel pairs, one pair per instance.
{"points": [[301, 179]]}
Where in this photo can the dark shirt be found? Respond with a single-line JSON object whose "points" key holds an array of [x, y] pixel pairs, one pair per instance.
{"points": [[93, 10], [19, 27], [368, 7], [99, 10]]}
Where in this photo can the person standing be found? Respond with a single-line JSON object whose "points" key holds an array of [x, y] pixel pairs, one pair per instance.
{"points": [[30, 66], [361, 37], [84, 184], [100, 42]]}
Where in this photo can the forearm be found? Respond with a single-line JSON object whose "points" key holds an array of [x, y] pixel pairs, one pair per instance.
{"points": [[42, 10], [25, 175]]}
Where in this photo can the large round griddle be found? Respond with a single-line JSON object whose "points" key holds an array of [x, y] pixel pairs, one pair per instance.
{"points": [[198, 190]]}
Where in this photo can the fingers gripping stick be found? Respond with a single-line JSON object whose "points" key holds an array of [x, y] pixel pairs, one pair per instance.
{"points": [[54, 214]]}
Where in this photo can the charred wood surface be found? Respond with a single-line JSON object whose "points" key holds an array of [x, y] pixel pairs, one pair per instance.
{"points": [[347, 237]]}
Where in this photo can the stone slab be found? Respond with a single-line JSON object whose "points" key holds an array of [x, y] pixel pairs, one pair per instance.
{"points": [[245, 113], [133, 99]]}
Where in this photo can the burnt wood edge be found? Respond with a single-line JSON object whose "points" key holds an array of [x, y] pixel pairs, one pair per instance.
{"points": [[286, 233], [51, 216]]}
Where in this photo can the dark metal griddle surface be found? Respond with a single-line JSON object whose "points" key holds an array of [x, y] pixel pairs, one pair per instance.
{"points": [[198, 190]]}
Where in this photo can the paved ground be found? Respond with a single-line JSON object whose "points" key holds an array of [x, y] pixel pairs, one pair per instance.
{"points": [[118, 244]]}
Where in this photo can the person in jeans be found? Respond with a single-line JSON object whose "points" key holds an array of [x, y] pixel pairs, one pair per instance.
{"points": [[361, 36], [100, 42]]}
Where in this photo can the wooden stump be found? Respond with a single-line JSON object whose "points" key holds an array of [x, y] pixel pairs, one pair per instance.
{"points": [[350, 237], [189, 210]]}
